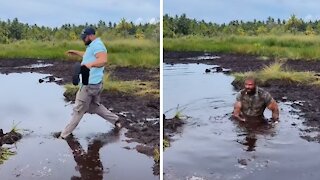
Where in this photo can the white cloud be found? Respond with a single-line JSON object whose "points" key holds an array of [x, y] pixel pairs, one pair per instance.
{"points": [[153, 21], [139, 20]]}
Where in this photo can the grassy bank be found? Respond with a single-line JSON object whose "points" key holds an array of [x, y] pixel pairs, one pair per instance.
{"points": [[5, 154], [276, 71], [122, 52], [137, 88], [285, 46]]}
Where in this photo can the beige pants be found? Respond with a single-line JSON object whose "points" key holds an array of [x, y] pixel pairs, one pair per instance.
{"points": [[88, 100]]}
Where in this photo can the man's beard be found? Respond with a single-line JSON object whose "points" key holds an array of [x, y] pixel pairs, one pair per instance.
{"points": [[87, 42], [251, 91]]}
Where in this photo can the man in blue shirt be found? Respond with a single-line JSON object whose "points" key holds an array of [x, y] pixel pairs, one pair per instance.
{"points": [[88, 96]]}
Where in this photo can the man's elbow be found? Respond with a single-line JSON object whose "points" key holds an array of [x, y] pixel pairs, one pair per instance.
{"points": [[102, 61]]}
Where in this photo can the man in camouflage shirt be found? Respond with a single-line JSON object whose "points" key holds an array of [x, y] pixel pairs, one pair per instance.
{"points": [[252, 101]]}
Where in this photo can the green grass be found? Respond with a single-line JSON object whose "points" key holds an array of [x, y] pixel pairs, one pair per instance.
{"points": [[276, 71], [156, 155], [134, 52], [121, 52], [178, 114], [15, 127], [166, 143], [136, 87], [39, 49], [285, 46], [5, 154]]}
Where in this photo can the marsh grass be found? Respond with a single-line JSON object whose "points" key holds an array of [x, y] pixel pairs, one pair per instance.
{"points": [[15, 127], [156, 155], [276, 71], [178, 114], [285, 46], [166, 143], [135, 87], [121, 52], [5, 154]]}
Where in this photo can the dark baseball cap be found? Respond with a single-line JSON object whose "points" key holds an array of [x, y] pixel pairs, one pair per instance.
{"points": [[87, 31]]}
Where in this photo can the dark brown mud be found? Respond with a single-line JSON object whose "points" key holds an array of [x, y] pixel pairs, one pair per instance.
{"points": [[238, 62], [9, 137]]}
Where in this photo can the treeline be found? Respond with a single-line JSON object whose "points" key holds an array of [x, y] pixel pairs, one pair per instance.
{"points": [[182, 26], [12, 30]]}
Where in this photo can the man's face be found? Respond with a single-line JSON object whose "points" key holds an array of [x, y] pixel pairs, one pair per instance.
{"points": [[87, 40], [250, 86]]}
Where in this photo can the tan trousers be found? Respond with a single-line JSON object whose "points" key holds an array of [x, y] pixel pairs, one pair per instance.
{"points": [[88, 100]]}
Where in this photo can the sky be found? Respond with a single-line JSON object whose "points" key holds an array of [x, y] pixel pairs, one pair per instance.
{"points": [[224, 11], [54, 13]]}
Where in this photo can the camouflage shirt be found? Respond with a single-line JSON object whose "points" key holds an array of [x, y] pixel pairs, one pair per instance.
{"points": [[254, 105]]}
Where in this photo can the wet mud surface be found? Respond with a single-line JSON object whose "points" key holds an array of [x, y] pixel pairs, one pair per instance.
{"points": [[138, 114], [211, 145], [9, 137], [237, 62]]}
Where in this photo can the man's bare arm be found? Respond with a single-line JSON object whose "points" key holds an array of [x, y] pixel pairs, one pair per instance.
{"points": [[101, 60], [273, 106], [237, 111], [75, 52]]}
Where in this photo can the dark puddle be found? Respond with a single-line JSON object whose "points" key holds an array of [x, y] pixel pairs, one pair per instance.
{"points": [[39, 109], [212, 146]]}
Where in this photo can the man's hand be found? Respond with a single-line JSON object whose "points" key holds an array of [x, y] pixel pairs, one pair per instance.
{"points": [[75, 53], [71, 52], [273, 106], [89, 65], [236, 111]]}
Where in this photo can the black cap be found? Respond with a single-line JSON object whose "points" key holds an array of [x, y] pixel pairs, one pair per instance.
{"points": [[87, 31]]}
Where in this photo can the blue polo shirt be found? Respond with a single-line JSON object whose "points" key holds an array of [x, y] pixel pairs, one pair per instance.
{"points": [[96, 46]]}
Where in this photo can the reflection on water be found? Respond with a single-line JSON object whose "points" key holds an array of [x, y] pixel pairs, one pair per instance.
{"points": [[213, 146], [39, 110], [250, 129], [88, 163]]}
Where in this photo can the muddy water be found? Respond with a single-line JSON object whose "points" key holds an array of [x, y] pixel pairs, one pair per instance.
{"points": [[95, 152], [212, 146]]}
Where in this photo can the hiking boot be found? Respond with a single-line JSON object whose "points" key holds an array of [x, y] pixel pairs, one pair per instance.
{"points": [[56, 134], [118, 125]]}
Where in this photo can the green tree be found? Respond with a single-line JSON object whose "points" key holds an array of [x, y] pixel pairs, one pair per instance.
{"points": [[262, 30], [241, 31], [309, 30], [4, 35], [293, 24], [123, 27], [15, 29], [139, 34], [183, 25]]}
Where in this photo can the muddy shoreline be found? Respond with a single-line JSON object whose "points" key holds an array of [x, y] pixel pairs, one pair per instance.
{"points": [[305, 98], [141, 116]]}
